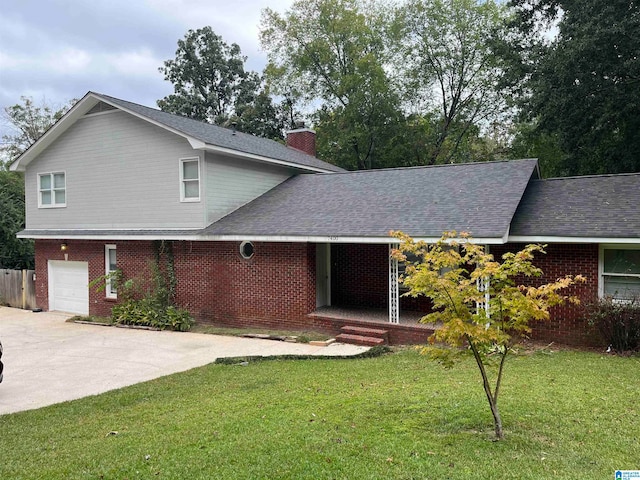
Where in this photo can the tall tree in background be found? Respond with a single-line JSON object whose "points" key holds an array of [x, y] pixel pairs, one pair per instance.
{"points": [[452, 72], [211, 84], [14, 253], [333, 53], [396, 84], [582, 89], [28, 122]]}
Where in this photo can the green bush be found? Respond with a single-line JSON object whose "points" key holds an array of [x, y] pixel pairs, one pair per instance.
{"points": [[147, 312], [617, 322], [178, 319], [147, 300]]}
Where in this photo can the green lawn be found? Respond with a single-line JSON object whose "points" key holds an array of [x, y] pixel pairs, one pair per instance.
{"points": [[567, 415]]}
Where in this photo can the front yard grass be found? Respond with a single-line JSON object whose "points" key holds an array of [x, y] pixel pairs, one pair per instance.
{"points": [[567, 415]]}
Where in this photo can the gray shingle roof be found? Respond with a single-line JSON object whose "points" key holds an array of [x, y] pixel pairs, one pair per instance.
{"points": [[223, 137], [603, 206], [480, 198]]}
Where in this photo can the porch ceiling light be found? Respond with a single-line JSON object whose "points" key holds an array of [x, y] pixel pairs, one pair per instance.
{"points": [[63, 247]]}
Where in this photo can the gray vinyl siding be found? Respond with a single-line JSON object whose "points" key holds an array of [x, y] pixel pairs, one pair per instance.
{"points": [[121, 172], [233, 182]]}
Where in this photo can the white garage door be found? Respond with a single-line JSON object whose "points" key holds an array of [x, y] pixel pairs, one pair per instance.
{"points": [[69, 286]]}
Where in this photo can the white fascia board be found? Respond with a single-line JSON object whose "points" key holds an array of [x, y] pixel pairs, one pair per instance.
{"points": [[552, 239], [330, 239], [505, 237], [260, 158], [139, 235], [297, 239], [98, 235], [196, 144]]}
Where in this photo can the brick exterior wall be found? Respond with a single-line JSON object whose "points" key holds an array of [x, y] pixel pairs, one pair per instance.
{"points": [[566, 324], [276, 287], [77, 251], [359, 278]]}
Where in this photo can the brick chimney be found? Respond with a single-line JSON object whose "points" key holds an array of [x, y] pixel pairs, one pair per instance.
{"points": [[303, 139]]}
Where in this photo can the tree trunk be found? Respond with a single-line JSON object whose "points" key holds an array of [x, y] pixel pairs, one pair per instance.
{"points": [[493, 400], [497, 421]]}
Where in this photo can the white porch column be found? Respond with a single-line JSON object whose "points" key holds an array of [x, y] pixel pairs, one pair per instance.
{"points": [[394, 295], [482, 284]]}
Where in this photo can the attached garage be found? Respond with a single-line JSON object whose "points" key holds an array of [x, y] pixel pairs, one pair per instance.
{"points": [[69, 286]]}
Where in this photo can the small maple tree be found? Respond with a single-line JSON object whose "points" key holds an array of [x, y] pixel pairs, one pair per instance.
{"points": [[477, 302]]}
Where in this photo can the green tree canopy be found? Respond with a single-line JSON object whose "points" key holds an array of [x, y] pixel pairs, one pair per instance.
{"points": [[392, 84], [28, 122], [211, 84], [583, 87], [452, 71], [333, 53], [14, 253]]}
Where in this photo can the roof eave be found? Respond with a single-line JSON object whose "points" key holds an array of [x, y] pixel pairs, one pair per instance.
{"points": [[571, 239], [262, 159], [197, 236]]}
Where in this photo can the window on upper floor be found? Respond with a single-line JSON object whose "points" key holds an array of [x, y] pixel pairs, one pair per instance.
{"points": [[190, 179], [52, 190], [620, 273], [110, 266]]}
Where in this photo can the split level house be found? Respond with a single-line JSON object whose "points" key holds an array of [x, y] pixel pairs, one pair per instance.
{"points": [[265, 234]]}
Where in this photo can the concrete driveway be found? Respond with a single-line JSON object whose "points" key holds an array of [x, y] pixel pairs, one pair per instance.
{"points": [[48, 360]]}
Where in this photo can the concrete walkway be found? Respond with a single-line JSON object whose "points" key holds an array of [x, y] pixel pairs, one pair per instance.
{"points": [[48, 360]]}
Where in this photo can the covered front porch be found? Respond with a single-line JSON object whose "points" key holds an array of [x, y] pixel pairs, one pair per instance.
{"points": [[357, 285]]}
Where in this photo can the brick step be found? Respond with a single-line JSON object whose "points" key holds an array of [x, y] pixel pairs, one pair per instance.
{"points": [[360, 339], [365, 331]]}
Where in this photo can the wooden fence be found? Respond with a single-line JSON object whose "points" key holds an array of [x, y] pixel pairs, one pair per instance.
{"points": [[18, 288]]}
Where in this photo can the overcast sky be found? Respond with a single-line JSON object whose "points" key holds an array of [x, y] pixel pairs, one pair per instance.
{"points": [[59, 49]]}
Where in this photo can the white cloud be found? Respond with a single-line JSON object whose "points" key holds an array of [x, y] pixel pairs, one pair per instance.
{"points": [[8, 62], [136, 63], [68, 60], [59, 49]]}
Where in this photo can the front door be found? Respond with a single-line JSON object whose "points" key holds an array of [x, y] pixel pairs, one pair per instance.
{"points": [[323, 274]]}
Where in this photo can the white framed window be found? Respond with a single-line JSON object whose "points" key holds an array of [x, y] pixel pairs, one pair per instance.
{"points": [[190, 179], [620, 272], [52, 190], [110, 266]]}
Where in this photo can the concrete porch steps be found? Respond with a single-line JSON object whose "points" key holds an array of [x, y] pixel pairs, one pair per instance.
{"points": [[363, 336]]}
